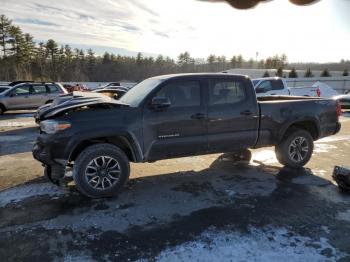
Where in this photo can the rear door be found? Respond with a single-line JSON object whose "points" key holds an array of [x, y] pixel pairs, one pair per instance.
{"points": [[53, 91], [232, 115], [39, 95], [180, 129]]}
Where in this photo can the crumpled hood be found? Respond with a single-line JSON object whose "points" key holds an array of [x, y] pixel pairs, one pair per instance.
{"points": [[73, 101]]}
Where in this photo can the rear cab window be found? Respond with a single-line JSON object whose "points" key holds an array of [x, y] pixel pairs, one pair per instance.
{"points": [[226, 92], [277, 84], [266, 86]]}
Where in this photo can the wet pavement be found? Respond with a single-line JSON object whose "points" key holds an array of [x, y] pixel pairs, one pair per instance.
{"points": [[201, 208]]}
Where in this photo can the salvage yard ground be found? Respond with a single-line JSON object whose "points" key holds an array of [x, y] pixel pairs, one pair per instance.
{"points": [[201, 208]]}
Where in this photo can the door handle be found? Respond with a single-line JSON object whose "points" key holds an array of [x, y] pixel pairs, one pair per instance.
{"points": [[246, 113], [198, 116]]}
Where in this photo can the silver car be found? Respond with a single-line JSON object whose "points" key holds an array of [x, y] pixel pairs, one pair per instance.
{"points": [[29, 95]]}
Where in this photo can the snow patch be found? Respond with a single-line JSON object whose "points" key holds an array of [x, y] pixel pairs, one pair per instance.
{"points": [[345, 216], [266, 156], [20, 193], [323, 148], [258, 245], [16, 123], [11, 138]]}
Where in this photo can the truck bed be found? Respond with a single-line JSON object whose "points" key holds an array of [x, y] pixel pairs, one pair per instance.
{"points": [[277, 113]]}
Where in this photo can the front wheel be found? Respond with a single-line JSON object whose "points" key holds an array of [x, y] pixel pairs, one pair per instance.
{"points": [[2, 109], [101, 170], [296, 148]]}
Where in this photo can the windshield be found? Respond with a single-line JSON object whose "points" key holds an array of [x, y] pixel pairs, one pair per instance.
{"points": [[255, 82], [135, 96]]}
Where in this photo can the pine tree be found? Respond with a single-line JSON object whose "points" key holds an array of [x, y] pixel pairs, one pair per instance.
{"points": [[52, 52], [240, 61], [325, 73], [279, 72], [91, 63], [5, 25], [293, 73], [234, 62], [308, 73], [266, 74]]}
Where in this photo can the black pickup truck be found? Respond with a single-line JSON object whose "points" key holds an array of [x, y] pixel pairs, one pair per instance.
{"points": [[173, 116]]}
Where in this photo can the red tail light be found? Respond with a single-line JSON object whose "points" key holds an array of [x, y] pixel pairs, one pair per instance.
{"points": [[318, 92], [338, 109]]}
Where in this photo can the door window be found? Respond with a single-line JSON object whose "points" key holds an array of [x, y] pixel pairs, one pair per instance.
{"points": [[222, 92], [182, 94], [23, 90], [39, 89], [52, 88], [266, 86]]}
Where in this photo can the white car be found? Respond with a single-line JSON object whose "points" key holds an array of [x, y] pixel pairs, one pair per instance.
{"points": [[344, 101], [277, 86]]}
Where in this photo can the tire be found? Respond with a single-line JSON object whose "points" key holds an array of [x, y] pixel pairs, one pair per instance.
{"points": [[2, 109], [94, 168], [295, 156]]}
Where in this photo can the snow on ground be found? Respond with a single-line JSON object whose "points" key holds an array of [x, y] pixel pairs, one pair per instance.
{"points": [[266, 244], [20, 193]]}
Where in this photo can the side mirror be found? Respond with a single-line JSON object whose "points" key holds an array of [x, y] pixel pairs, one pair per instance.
{"points": [[160, 102], [259, 90]]}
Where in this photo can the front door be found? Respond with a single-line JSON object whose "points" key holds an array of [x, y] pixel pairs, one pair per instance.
{"points": [[232, 115], [179, 129], [18, 98]]}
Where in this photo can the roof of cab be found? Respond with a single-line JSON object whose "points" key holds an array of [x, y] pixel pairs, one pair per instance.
{"points": [[165, 77]]}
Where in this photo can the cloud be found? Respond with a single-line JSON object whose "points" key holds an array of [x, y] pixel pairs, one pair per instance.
{"points": [[143, 7], [198, 26], [162, 34], [34, 21]]}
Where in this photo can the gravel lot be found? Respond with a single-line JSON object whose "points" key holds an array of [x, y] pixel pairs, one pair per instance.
{"points": [[188, 209]]}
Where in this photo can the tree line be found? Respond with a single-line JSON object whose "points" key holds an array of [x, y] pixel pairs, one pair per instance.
{"points": [[21, 58]]}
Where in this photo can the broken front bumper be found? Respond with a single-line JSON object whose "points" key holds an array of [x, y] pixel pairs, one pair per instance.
{"points": [[53, 171]]}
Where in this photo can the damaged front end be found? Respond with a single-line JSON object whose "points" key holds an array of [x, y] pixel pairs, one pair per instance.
{"points": [[73, 102], [56, 129]]}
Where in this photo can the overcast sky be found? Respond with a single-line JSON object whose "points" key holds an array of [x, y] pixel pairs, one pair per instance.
{"points": [[320, 32]]}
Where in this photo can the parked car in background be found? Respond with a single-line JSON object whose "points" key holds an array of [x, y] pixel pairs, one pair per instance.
{"points": [[29, 95], [344, 101], [19, 82], [113, 84], [3, 88], [76, 87], [278, 86], [111, 92]]}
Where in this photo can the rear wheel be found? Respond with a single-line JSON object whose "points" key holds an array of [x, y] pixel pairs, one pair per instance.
{"points": [[296, 148], [101, 170]]}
